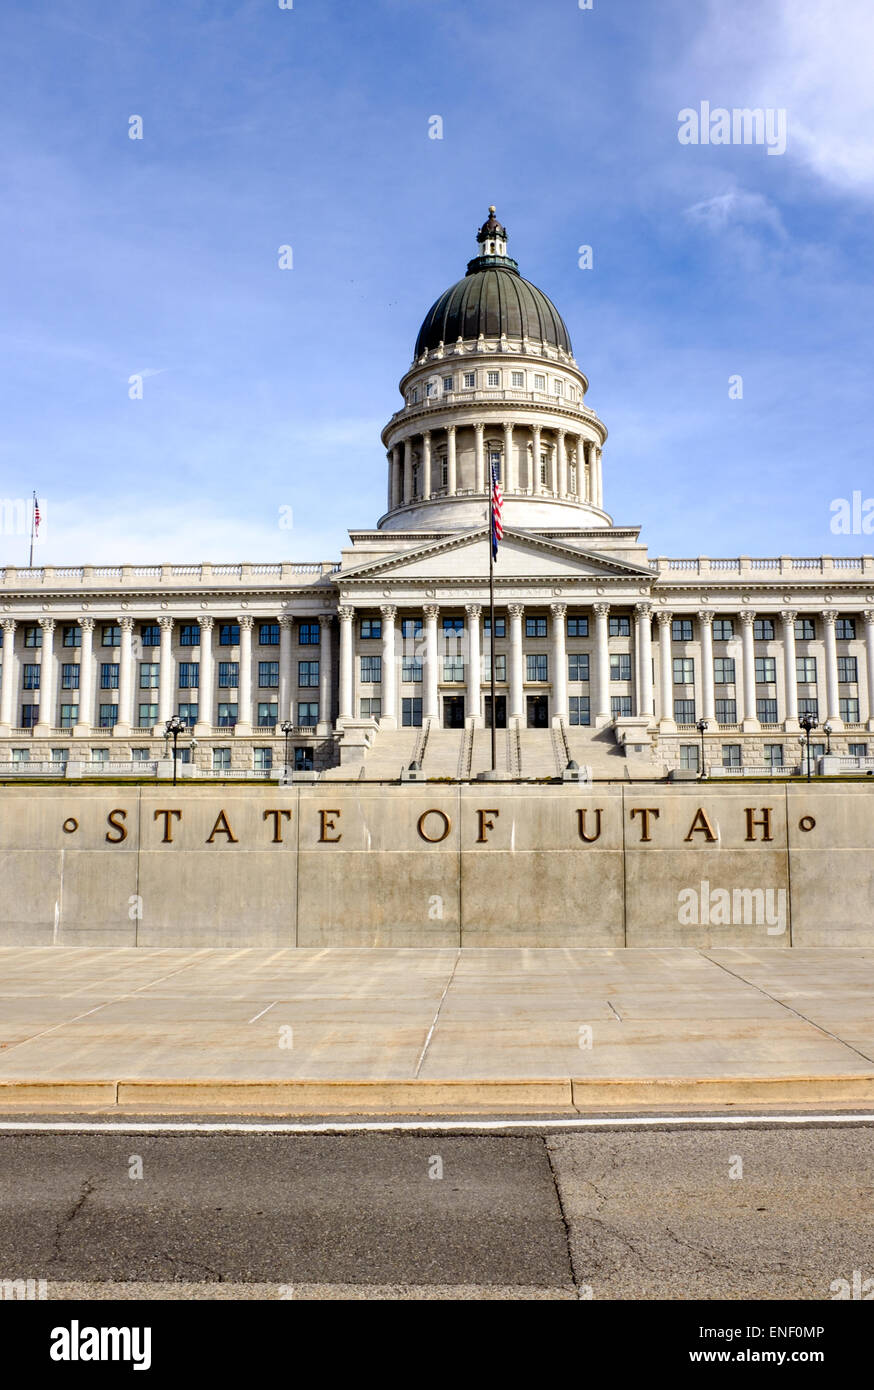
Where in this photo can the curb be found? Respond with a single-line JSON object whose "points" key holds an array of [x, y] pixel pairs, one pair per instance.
{"points": [[318, 1097]]}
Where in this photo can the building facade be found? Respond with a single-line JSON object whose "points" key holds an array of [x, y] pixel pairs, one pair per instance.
{"points": [[359, 667]]}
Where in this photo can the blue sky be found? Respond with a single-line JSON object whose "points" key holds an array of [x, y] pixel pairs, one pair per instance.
{"points": [[266, 389]]}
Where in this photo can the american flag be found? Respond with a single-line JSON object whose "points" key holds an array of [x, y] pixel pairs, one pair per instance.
{"points": [[35, 515], [497, 504]]}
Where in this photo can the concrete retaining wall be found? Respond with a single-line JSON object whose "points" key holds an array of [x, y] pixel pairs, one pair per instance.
{"points": [[431, 865]]}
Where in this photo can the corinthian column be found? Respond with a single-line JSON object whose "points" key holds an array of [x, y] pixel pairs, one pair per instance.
{"points": [[10, 676], [708, 703], [326, 628], [473, 611], [47, 678], [451, 461], [790, 672], [346, 615], [831, 672], [666, 672], [602, 665], [426, 465], [389, 718], [559, 661], [125, 678], [165, 672], [86, 681], [510, 472], [431, 611], [536, 447], [643, 613], [869, 663], [479, 459], [244, 690], [750, 718], [516, 678]]}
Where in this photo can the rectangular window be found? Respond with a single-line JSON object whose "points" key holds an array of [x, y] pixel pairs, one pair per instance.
{"points": [[109, 675], [268, 635], [558, 387], [453, 668], [31, 677], [139, 755], [268, 675], [100, 755], [493, 378], [307, 713], [620, 666], [21, 755], [229, 634], [517, 378], [845, 629], [469, 380], [536, 666], [189, 635], [689, 757], [500, 627], [766, 670], [221, 759], [684, 711], [72, 636], [371, 709], [227, 714], [60, 755], [371, 629], [766, 711], [684, 670], [411, 712], [723, 670], [228, 675], [578, 709], [805, 669], [849, 710], [577, 627], [150, 635], [804, 629], [681, 630], [858, 750], [308, 673], [453, 626], [723, 631], [731, 755], [189, 675], [763, 629], [726, 711], [535, 627], [33, 635], [411, 627], [774, 754], [308, 634], [500, 667], [69, 676], [411, 670], [268, 713], [448, 383], [148, 716], [371, 670], [107, 717], [809, 705], [495, 463], [620, 706], [110, 635], [29, 716], [578, 666], [303, 759], [619, 627], [263, 759], [848, 670], [539, 382], [414, 396], [149, 675], [69, 716], [188, 714]]}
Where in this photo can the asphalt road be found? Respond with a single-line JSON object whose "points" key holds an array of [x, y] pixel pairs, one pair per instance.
{"points": [[751, 1214]]}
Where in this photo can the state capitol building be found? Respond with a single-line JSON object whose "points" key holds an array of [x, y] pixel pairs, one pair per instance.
{"points": [[604, 657]]}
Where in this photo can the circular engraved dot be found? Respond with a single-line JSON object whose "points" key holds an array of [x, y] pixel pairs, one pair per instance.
{"points": [[71, 824], [806, 823]]}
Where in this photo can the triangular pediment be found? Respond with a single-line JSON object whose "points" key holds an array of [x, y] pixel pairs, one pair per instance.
{"points": [[522, 554]]}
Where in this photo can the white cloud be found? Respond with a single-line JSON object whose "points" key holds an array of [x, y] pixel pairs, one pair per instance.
{"points": [[736, 208]]}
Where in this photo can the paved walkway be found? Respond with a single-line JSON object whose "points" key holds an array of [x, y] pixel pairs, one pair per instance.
{"points": [[314, 1031]]}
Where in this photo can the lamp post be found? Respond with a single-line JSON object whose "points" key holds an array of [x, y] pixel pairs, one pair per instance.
{"points": [[827, 730], [286, 729], [808, 724], [702, 726], [172, 729]]}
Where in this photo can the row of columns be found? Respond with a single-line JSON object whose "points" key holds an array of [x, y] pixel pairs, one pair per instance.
{"points": [[88, 693], [589, 484]]}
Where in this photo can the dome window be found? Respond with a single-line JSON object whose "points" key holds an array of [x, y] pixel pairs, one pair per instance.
{"points": [[414, 396], [494, 378], [559, 388], [539, 382], [517, 378], [495, 461], [429, 388], [448, 383], [444, 470], [469, 380]]}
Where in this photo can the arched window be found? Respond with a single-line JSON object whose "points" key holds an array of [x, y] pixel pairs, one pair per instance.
{"points": [[496, 457]]}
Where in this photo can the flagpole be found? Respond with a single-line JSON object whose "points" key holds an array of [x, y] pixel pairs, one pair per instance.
{"points": [[492, 619], [32, 520]]}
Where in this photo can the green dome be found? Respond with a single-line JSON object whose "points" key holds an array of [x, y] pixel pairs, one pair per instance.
{"points": [[492, 300]]}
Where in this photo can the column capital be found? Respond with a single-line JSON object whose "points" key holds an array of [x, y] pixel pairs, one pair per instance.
{"points": [[643, 610], [828, 616], [166, 623], [49, 624], [600, 609], [665, 617], [9, 625], [345, 613], [325, 620], [246, 621], [515, 609], [426, 436], [868, 615], [432, 611], [126, 623], [788, 615], [206, 624], [389, 611], [705, 616], [480, 426], [473, 610], [450, 429], [558, 610], [748, 616], [286, 621]]}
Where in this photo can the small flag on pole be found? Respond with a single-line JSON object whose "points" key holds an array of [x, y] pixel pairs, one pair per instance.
{"points": [[497, 505], [36, 517]]}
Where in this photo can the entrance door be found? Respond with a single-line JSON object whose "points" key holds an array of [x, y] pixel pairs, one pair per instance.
{"points": [[453, 711], [501, 709], [538, 711]]}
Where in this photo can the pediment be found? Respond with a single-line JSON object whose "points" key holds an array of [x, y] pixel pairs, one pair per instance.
{"points": [[522, 554]]}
